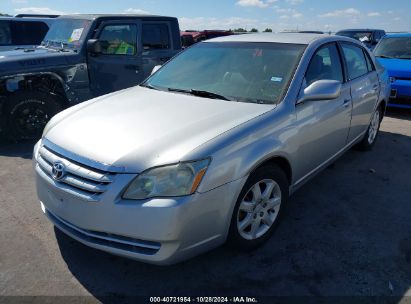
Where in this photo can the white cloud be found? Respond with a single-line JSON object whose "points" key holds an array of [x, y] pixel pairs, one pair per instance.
{"points": [[397, 18], [294, 2], [349, 12], [373, 14], [201, 23], [255, 3], [38, 10], [135, 11]]}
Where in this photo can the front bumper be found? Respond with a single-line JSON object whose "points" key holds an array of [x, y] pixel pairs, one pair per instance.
{"points": [[400, 96], [157, 231]]}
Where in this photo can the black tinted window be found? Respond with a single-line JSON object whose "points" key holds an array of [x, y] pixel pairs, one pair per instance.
{"points": [[156, 36], [356, 63], [325, 65], [119, 39], [22, 32], [28, 32], [5, 35]]}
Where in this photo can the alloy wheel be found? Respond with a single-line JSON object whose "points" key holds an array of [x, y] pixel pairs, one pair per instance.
{"points": [[258, 209]]}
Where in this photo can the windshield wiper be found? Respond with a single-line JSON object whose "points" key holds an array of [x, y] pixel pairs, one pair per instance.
{"points": [[201, 93], [383, 56], [149, 86]]}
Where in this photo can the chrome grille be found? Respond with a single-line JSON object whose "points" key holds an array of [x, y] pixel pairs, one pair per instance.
{"points": [[80, 180]]}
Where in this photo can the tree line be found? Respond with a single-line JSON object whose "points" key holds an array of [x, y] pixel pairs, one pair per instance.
{"points": [[253, 30]]}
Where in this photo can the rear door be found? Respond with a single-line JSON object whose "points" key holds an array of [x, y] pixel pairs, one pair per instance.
{"points": [[157, 44], [324, 123], [364, 84], [119, 66]]}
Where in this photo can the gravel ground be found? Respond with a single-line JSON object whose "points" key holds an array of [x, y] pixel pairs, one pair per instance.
{"points": [[347, 233]]}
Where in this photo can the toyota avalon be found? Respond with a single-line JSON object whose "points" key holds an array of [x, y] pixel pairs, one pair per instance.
{"points": [[210, 147]]}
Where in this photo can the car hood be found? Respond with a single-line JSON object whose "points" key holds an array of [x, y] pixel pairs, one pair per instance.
{"points": [[139, 128], [397, 67], [24, 60]]}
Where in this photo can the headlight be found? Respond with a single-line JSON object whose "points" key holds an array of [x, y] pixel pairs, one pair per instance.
{"points": [[168, 181]]}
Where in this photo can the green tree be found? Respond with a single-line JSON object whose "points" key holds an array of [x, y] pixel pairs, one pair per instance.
{"points": [[3, 14], [253, 30], [268, 30], [239, 30]]}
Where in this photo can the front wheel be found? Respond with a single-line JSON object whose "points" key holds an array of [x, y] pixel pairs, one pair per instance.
{"points": [[371, 136], [27, 113], [258, 207]]}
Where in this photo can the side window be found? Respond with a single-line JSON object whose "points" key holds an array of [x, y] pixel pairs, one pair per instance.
{"points": [[119, 39], [355, 59], [28, 32], [156, 36], [5, 36], [325, 64]]}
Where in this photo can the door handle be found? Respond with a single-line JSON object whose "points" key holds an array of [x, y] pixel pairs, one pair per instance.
{"points": [[163, 59], [346, 103], [375, 87]]}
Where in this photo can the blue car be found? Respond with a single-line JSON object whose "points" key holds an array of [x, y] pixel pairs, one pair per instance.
{"points": [[394, 54]]}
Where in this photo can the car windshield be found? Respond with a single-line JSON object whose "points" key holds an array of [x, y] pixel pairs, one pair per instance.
{"points": [[67, 33], [398, 47], [361, 36], [237, 71]]}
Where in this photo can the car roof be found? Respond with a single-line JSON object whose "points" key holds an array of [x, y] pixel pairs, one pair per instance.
{"points": [[292, 38], [115, 16], [40, 18], [398, 35], [360, 30]]}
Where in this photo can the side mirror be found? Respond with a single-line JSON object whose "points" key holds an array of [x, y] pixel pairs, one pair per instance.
{"points": [[155, 69], [321, 90], [94, 46]]}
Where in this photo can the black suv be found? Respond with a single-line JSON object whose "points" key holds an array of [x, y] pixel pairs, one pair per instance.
{"points": [[81, 57], [370, 37], [23, 31]]}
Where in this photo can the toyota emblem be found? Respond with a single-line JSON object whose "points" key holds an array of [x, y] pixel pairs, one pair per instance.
{"points": [[58, 171]]}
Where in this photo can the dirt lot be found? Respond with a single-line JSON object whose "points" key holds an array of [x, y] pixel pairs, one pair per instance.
{"points": [[348, 232]]}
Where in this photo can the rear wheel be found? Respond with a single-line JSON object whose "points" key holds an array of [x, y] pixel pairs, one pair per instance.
{"points": [[257, 211], [371, 136], [27, 113]]}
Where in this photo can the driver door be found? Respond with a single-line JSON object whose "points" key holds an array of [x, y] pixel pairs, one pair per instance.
{"points": [[323, 124], [119, 65]]}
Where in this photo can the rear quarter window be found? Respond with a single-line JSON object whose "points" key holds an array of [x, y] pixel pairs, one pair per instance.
{"points": [[156, 36], [355, 60]]}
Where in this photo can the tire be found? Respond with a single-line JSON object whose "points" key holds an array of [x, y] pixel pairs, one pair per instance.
{"points": [[370, 136], [260, 214], [27, 113]]}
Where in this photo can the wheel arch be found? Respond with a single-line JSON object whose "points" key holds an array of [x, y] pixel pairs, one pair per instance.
{"points": [[281, 162], [49, 82]]}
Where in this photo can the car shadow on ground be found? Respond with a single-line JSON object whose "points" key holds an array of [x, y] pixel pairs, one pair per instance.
{"points": [[398, 113], [346, 232]]}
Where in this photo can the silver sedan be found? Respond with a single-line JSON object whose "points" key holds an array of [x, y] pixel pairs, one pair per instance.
{"points": [[210, 147]]}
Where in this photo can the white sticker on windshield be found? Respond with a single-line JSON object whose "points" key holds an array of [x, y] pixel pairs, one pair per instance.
{"points": [[76, 34], [276, 79]]}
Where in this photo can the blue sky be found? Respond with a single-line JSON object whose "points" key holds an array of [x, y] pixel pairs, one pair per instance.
{"points": [[224, 14]]}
